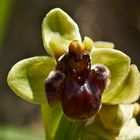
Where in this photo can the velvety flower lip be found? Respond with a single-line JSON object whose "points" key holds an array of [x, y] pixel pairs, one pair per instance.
{"points": [[77, 85]]}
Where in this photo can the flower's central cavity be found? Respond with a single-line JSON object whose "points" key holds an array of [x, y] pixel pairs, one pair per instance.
{"points": [[76, 84]]}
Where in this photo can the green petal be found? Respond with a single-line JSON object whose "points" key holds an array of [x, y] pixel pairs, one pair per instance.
{"points": [[103, 44], [118, 64], [130, 90], [88, 44], [26, 78], [58, 30]]}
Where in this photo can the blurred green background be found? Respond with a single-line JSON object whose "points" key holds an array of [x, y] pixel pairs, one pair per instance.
{"points": [[116, 21]]}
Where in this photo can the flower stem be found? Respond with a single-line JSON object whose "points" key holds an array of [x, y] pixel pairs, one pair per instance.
{"points": [[58, 126]]}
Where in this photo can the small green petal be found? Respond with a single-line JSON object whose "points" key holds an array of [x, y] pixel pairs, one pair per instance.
{"points": [[26, 78], [118, 64], [103, 44], [58, 30], [88, 44]]}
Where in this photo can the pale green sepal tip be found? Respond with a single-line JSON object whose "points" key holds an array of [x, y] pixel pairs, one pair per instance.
{"points": [[26, 78], [58, 30]]}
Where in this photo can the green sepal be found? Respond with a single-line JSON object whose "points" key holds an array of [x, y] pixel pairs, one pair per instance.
{"points": [[58, 30], [26, 78], [118, 64], [130, 89]]}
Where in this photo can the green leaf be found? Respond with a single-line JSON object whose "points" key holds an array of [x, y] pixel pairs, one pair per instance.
{"points": [[103, 44], [58, 126], [58, 30], [20, 133], [118, 64], [5, 12], [130, 90], [26, 78]]}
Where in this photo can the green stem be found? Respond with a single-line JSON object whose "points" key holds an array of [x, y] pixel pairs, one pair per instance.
{"points": [[58, 126]]}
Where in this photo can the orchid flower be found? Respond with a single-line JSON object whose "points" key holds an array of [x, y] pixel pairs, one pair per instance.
{"points": [[115, 116]]}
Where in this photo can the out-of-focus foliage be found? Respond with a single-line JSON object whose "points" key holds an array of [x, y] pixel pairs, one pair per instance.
{"points": [[10, 133], [5, 7]]}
